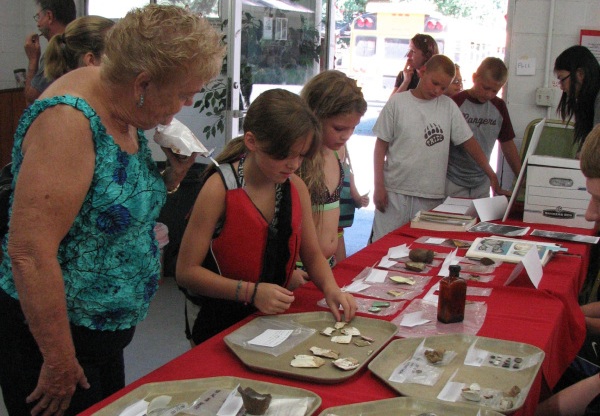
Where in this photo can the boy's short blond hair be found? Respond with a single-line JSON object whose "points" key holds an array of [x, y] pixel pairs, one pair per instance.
{"points": [[590, 154], [441, 62], [493, 68]]}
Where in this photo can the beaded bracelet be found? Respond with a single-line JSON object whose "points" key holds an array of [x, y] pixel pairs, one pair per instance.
{"points": [[254, 293], [237, 291]]}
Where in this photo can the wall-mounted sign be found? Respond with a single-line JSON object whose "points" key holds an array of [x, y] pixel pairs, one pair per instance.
{"points": [[525, 66], [591, 40]]}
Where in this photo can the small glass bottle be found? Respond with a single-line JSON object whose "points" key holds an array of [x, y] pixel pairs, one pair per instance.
{"points": [[452, 297]]}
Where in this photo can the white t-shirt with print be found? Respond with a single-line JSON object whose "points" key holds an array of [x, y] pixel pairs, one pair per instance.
{"points": [[419, 133]]}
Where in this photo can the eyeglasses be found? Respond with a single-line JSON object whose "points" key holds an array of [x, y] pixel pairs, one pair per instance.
{"points": [[561, 80], [37, 16]]}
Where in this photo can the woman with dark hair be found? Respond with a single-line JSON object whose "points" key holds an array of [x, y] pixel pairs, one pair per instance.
{"points": [[578, 74], [420, 49]]}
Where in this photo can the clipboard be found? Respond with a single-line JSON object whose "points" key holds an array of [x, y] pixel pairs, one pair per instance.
{"points": [[533, 142]]}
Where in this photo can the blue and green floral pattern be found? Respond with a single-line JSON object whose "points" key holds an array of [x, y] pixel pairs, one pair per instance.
{"points": [[109, 258]]}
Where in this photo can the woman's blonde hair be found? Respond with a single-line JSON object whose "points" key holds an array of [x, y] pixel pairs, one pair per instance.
{"points": [[328, 94], [165, 41], [65, 52], [278, 119]]}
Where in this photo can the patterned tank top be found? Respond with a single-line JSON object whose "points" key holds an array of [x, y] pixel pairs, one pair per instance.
{"points": [[109, 258]]}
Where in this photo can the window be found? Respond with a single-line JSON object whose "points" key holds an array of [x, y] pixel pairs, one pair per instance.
{"points": [[366, 45], [395, 48], [118, 9], [113, 9]]}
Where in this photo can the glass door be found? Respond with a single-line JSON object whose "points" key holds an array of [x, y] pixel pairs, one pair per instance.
{"points": [[271, 44]]}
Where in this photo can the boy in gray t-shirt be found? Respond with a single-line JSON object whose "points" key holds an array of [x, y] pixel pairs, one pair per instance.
{"points": [[414, 132], [489, 121]]}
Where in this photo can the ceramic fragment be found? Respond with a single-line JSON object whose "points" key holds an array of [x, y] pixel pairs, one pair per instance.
{"points": [[403, 280], [342, 339], [307, 361], [324, 352], [347, 363], [350, 330], [328, 331]]}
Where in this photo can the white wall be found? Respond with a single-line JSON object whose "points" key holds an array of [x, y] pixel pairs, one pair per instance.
{"points": [[15, 23], [529, 22]]}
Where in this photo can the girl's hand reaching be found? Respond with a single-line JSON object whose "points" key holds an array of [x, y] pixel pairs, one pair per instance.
{"points": [[272, 299], [343, 299], [299, 278]]}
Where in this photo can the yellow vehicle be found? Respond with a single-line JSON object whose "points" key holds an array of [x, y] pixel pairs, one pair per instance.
{"points": [[379, 42]]}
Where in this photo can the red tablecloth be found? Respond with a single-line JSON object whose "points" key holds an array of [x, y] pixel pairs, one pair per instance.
{"points": [[548, 318]]}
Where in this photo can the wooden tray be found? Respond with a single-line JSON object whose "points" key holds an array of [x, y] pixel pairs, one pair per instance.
{"points": [[497, 378], [379, 330], [190, 390], [407, 406]]}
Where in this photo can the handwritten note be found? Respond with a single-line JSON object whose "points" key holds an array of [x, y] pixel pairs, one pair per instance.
{"points": [[271, 337]]}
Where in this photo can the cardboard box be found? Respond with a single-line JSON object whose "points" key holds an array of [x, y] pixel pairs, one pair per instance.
{"points": [[556, 192]]}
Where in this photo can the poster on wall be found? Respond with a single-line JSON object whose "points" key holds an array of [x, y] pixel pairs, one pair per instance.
{"points": [[591, 40]]}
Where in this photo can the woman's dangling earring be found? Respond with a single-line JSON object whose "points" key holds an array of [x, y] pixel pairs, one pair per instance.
{"points": [[140, 103]]}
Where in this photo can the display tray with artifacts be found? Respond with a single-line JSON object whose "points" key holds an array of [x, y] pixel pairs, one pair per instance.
{"points": [[211, 396], [407, 406], [478, 371], [309, 346]]}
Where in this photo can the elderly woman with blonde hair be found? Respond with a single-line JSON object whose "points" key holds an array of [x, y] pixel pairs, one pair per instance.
{"points": [[80, 260]]}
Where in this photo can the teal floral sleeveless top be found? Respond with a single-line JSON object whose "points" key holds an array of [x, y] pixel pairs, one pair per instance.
{"points": [[109, 258]]}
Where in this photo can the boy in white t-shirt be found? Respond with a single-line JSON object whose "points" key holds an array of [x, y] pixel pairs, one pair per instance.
{"points": [[414, 132]]}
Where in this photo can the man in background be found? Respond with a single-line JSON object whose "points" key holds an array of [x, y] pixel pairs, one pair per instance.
{"points": [[52, 17]]}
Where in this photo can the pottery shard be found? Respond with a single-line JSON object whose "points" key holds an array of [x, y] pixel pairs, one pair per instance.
{"points": [[513, 392], [339, 325], [350, 330], [403, 280], [361, 342], [342, 339], [470, 395], [486, 261], [434, 356], [421, 255], [307, 361], [347, 363], [255, 403], [414, 266], [325, 352], [328, 331]]}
